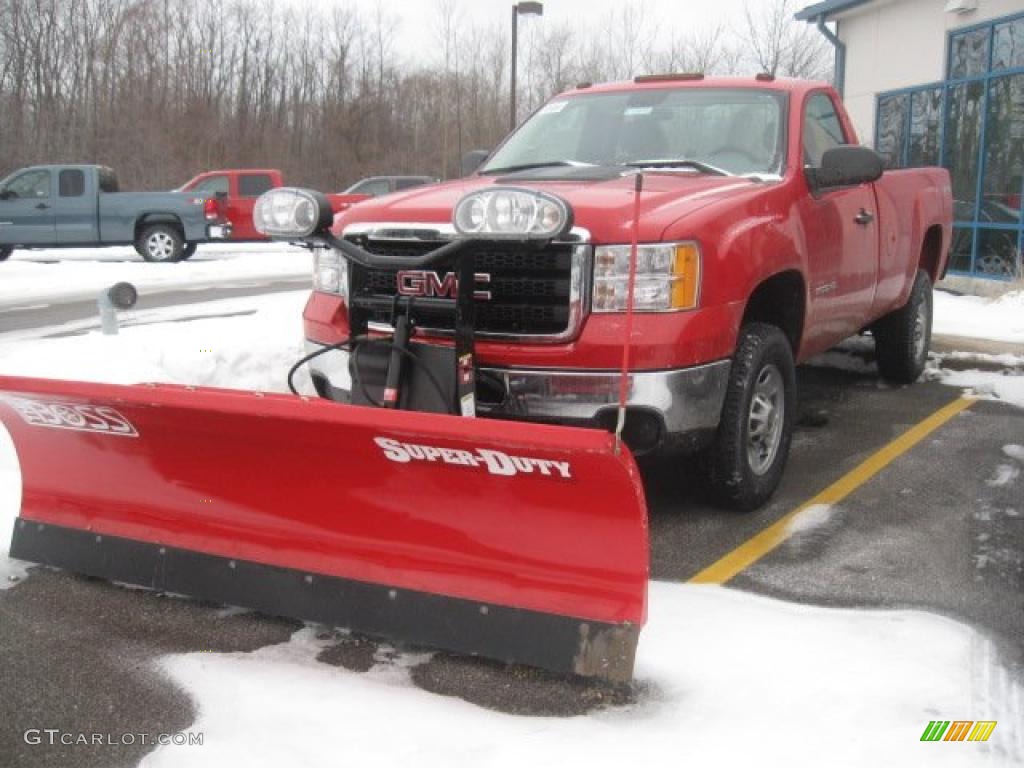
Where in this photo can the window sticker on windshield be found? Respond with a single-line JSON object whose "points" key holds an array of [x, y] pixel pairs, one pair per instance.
{"points": [[638, 111], [554, 106]]}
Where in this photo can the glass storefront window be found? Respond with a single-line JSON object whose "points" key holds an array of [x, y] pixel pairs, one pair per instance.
{"points": [[892, 111], [1004, 151], [1008, 45], [973, 124], [960, 249], [969, 53], [925, 127], [998, 253], [963, 132]]}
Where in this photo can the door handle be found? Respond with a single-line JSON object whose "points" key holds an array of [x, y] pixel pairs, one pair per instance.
{"points": [[864, 217], [42, 207]]}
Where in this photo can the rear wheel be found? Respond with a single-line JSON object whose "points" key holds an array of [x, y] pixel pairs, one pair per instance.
{"points": [[745, 463], [903, 336], [5, 252], [160, 243], [188, 251]]}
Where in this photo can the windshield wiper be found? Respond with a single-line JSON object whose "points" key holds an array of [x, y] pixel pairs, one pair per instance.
{"points": [[697, 165], [531, 166]]}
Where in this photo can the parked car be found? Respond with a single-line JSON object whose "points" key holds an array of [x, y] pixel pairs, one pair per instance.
{"points": [[375, 186], [74, 206], [236, 192], [765, 235]]}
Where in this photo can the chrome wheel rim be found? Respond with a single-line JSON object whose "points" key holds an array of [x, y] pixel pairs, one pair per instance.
{"points": [[765, 419], [920, 329], [160, 246]]}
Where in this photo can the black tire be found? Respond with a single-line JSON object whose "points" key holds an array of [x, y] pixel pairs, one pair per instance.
{"points": [[188, 251], [5, 252], [743, 470], [902, 337], [160, 243]]}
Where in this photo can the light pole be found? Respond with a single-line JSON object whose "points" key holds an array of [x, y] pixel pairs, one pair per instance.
{"points": [[525, 9]]}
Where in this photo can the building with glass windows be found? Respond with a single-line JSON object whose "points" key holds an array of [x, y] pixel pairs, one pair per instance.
{"points": [[941, 82]]}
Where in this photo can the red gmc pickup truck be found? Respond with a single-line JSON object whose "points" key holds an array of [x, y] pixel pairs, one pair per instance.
{"points": [[237, 191], [766, 235]]}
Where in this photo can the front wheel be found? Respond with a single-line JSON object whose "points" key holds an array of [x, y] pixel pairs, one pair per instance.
{"points": [[903, 336], [745, 462], [160, 243], [5, 252]]}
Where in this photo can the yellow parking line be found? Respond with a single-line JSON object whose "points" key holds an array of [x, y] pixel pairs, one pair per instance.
{"points": [[759, 545]]}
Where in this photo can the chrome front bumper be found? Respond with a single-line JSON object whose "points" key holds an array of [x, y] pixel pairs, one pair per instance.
{"points": [[685, 399]]}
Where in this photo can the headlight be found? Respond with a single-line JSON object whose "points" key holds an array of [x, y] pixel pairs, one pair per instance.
{"points": [[330, 272], [514, 214], [667, 277], [290, 212]]}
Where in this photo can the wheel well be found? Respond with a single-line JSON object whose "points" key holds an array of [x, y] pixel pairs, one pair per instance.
{"points": [[780, 301], [158, 218], [931, 252]]}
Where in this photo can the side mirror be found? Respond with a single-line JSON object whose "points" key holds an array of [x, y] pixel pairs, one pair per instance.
{"points": [[473, 160], [846, 166]]}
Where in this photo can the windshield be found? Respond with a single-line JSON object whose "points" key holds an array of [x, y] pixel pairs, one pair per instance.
{"points": [[735, 130]]}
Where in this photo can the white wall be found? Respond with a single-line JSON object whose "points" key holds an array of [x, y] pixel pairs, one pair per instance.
{"points": [[899, 43]]}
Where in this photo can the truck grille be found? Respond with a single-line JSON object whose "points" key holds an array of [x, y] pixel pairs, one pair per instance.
{"points": [[534, 290]]}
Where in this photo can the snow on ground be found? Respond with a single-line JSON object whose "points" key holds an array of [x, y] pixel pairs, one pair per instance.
{"points": [[726, 679], [1005, 386], [251, 348], [1004, 475], [813, 518], [999, 319], [41, 276]]}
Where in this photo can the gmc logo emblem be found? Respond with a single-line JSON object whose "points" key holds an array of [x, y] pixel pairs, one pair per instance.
{"points": [[423, 282]]}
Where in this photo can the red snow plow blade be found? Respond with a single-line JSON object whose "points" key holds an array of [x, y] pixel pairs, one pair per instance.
{"points": [[515, 541]]}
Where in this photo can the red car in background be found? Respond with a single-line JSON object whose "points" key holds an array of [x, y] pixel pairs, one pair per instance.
{"points": [[238, 190]]}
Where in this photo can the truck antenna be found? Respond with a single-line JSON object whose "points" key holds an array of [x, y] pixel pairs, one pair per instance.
{"points": [[628, 341]]}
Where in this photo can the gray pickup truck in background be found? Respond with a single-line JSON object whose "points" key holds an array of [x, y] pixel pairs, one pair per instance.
{"points": [[74, 206]]}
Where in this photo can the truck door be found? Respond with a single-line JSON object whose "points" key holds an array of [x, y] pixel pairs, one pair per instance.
{"points": [[841, 237], [250, 186], [26, 208], [76, 208]]}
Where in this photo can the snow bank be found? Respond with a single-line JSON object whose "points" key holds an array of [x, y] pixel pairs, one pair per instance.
{"points": [[23, 282], [727, 679], [990, 385], [1000, 319], [251, 346]]}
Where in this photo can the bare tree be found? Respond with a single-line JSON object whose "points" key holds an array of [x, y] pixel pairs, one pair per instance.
{"points": [[780, 45], [163, 89]]}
